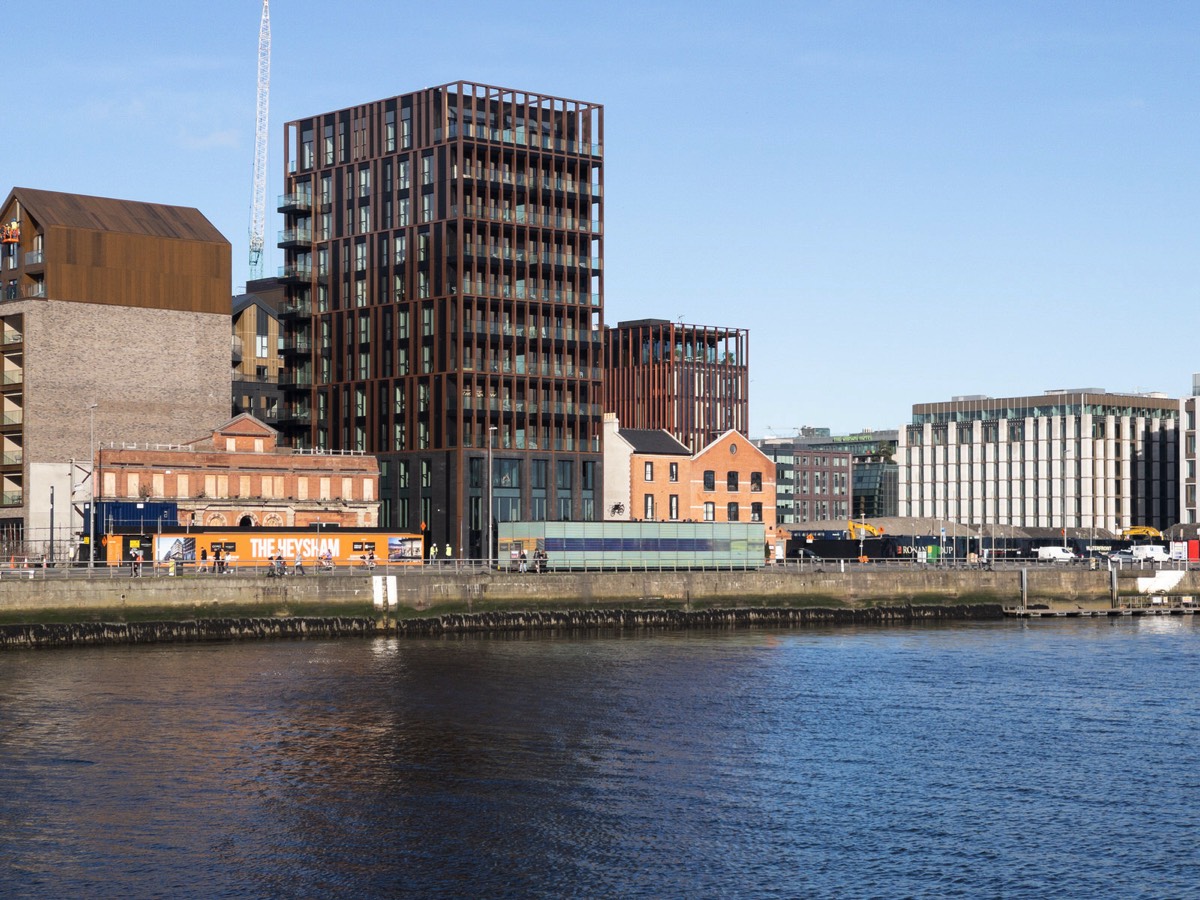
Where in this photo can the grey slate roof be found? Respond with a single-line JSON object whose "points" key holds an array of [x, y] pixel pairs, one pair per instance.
{"points": [[654, 441]]}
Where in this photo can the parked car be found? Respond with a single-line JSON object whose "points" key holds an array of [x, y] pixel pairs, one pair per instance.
{"points": [[1141, 553]]}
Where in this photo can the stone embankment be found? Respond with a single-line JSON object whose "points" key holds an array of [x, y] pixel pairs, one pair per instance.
{"points": [[461, 600], [471, 590], [235, 629]]}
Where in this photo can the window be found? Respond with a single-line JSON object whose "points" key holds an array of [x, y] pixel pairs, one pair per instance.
{"points": [[673, 471], [508, 473], [755, 512], [648, 506], [649, 471], [710, 481], [756, 481], [673, 507], [732, 512], [426, 474], [731, 481], [306, 147], [710, 511], [563, 475]]}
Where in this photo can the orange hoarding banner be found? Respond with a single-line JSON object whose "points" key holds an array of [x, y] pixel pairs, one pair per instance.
{"points": [[258, 546]]}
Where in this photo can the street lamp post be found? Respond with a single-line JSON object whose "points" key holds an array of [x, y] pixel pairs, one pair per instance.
{"points": [[92, 475], [487, 552]]}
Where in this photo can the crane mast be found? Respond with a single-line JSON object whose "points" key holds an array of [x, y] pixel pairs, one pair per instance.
{"points": [[258, 209]]}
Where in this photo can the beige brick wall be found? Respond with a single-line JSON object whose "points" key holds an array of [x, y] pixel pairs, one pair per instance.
{"points": [[157, 376]]}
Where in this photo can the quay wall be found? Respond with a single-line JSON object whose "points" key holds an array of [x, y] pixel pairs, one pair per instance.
{"points": [[470, 590], [37, 636]]}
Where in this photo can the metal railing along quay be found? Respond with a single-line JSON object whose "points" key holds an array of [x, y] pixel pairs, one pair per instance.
{"points": [[36, 567]]}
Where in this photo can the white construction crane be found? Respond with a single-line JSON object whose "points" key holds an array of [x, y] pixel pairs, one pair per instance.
{"points": [[258, 206]]}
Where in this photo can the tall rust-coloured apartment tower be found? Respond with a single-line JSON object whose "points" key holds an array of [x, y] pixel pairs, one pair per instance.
{"points": [[443, 261], [689, 380]]}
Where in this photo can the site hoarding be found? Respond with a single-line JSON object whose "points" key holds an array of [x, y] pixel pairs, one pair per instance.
{"points": [[257, 546]]}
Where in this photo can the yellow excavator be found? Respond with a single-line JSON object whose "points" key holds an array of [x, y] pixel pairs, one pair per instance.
{"points": [[1141, 532], [858, 530]]}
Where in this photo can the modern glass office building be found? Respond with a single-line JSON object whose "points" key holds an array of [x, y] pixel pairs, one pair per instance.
{"points": [[1064, 459]]}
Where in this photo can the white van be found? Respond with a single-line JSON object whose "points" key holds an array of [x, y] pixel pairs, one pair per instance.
{"points": [[1150, 553], [1055, 554]]}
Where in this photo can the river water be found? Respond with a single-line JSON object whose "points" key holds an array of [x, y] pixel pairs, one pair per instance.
{"points": [[1014, 759]]}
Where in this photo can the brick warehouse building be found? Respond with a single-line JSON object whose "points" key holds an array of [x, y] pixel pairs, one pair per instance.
{"points": [[443, 262], [650, 476], [115, 323], [237, 476]]}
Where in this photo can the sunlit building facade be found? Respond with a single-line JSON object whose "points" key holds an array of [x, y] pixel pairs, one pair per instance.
{"points": [[1064, 459], [444, 307]]}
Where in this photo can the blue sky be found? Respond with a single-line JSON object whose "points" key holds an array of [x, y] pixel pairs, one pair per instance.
{"points": [[901, 201]]}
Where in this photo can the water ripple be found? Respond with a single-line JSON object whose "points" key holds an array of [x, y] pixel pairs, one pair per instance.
{"points": [[1000, 760]]}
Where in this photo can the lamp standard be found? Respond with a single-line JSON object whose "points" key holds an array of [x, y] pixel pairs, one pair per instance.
{"points": [[92, 474], [487, 552]]}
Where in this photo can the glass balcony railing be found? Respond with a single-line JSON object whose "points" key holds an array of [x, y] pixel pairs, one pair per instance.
{"points": [[295, 236], [11, 498], [300, 379], [35, 258], [12, 417], [295, 201], [11, 458]]}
